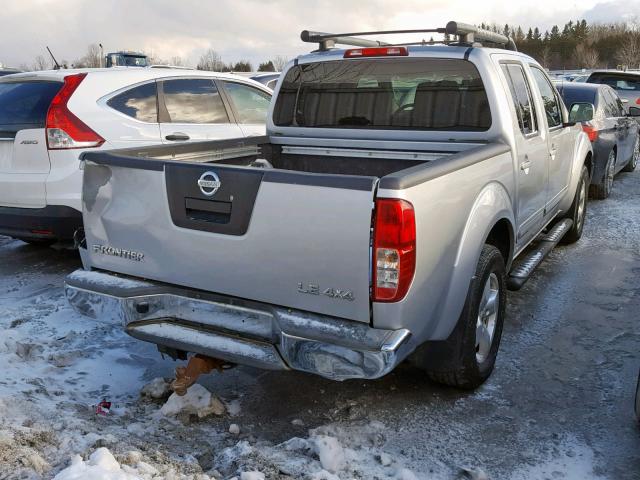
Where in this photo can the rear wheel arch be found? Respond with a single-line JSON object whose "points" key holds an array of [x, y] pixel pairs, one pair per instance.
{"points": [[502, 237], [588, 162]]}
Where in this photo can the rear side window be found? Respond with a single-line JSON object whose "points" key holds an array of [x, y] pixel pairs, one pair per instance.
{"points": [[193, 101], [407, 93], [251, 104], [622, 82], [522, 99], [612, 108], [26, 103], [138, 102], [551, 102]]}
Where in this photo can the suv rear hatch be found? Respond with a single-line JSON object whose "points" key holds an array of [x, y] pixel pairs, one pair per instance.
{"points": [[24, 159]]}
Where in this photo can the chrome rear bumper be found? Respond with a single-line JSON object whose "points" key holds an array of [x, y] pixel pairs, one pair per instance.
{"points": [[236, 330]]}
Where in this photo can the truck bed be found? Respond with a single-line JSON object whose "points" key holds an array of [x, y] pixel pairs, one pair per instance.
{"points": [[294, 233]]}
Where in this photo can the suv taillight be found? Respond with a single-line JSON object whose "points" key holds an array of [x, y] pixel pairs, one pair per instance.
{"points": [[64, 129], [394, 249], [591, 132]]}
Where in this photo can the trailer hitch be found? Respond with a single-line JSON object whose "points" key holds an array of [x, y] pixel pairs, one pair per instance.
{"points": [[197, 365]]}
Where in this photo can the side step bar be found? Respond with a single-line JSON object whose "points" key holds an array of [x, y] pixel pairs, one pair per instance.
{"points": [[524, 266]]}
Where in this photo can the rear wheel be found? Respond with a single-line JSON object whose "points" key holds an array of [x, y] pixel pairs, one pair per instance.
{"points": [[635, 157], [603, 190], [467, 357], [578, 210]]}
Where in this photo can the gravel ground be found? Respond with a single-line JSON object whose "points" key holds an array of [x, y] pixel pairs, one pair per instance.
{"points": [[559, 404]]}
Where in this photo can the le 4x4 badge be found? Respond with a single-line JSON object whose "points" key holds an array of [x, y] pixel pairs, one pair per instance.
{"points": [[314, 289]]}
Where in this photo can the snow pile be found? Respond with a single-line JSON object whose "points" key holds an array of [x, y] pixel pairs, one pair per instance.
{"points": [[330, 452], [157, 388], [197, 401], [101, 465]]}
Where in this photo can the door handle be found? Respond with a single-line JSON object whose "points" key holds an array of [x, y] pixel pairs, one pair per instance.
{"points": [[525, 165], [177, 137]]}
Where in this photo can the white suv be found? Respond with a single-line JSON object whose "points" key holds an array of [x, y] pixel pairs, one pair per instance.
{"points": [[47, 119]]}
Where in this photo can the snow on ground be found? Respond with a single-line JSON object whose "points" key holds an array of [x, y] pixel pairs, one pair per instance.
{"points": [[557, 407]]}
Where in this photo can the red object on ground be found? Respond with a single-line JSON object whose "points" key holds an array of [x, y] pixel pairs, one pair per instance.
{"points": [[103, 408]]}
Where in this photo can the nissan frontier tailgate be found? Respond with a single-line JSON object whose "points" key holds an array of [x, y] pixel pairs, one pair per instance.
{"points": [[294, 239]]}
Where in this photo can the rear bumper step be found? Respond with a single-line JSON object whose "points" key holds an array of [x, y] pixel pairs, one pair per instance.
{"points": [[236, 330], [524, 267]]}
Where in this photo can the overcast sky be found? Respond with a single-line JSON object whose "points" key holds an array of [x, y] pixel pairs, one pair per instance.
{"points": [[251, 29]]}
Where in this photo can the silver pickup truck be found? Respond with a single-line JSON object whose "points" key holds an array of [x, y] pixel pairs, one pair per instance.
{"points": [[400, 192]]}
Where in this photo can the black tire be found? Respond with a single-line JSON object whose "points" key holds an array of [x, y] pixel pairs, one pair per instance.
{"points": [[635, 157], [457, 361], [576, 213], [603, 190]]}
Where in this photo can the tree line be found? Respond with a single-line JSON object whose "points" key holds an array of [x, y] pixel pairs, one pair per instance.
{"points": [[578, 45], [574, 46], [210, 60]]}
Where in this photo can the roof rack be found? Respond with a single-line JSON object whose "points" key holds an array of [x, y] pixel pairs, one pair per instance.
{"points": [[465, 34]]}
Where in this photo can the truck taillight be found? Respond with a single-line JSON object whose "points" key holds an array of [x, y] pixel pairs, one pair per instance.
{"points": [[394, 249], [64, 129], [376, 52], [591, 132], [637, 101]]}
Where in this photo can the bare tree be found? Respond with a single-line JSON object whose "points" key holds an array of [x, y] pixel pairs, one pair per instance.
{"points": [[91, 59], [279, 62], [178, 61], [586, 56], [629, 52], [211, 60], [41, 63]]}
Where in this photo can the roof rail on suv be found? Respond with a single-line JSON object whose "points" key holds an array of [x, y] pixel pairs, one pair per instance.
{"points": [[463, 33]]}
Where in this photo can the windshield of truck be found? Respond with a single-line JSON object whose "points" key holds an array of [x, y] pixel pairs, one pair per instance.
{"points": [[134, 61], [407, 93]]}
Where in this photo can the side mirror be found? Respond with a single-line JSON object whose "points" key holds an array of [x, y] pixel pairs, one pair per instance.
{"points": [[634, 112], [581, 112]]}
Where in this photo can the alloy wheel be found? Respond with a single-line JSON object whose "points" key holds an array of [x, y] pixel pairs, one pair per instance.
{"points": [[487, 317], [610, 173]]}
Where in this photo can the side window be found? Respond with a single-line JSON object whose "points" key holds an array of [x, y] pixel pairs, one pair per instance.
{"points": [[612, 101], [194, 100], [521, 97], [138, 102], [552, 106], [251, 104], [609, 109]]}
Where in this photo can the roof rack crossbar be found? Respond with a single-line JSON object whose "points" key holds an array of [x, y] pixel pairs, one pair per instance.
{"points": [[467, 34]]}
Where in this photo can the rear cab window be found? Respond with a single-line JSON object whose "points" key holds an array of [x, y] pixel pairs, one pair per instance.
{"points": [[24, 104], [193, 100], [138, 102], [521, 95], [403, 94]]}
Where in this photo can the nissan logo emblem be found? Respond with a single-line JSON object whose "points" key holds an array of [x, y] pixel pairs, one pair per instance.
{"points": [[209, 183]]}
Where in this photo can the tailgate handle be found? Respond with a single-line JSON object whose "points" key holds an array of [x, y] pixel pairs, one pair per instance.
{"points": [[207, 210], [177, 137]]}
